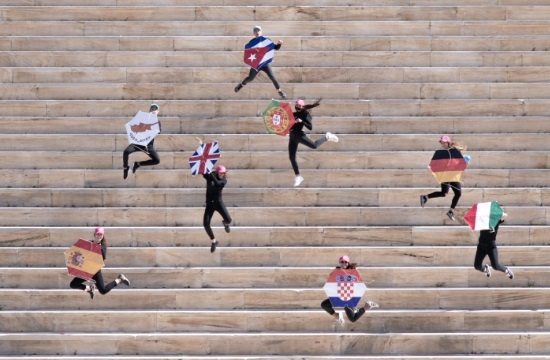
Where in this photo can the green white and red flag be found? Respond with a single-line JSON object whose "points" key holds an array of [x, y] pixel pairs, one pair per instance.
{"points": [[484, 216]]}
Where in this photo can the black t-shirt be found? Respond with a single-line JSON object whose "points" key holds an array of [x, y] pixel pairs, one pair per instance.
{"points": [[489, 236], [306, 121]]}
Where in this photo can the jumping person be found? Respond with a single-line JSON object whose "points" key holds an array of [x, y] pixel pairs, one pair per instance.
{"points": [[447, 143], [149, 150], [352, 314], [298, 136], [257, 30], [215, 182], [487, 247], [78, 283]]}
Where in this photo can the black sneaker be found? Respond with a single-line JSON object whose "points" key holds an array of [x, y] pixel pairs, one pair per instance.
{"points": [[91, 291], [238, 87], [282, 95], [213, 246], [451, 215], [126, 168], [423, 200], [124, 279], [135, 167], [226, 226], [509, 273]]}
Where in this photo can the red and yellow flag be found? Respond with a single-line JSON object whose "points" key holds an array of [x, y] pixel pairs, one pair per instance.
{"points": [[84, 259]]}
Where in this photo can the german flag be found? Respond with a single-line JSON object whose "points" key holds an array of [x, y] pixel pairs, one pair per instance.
{"points": [[447, 165]]}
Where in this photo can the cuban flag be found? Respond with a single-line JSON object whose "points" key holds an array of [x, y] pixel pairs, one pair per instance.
{"points": [[258, 52], [484, 216], [345, 287], [204, 158]]}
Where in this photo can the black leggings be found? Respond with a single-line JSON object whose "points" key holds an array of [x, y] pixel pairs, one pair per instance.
{"points": [[299, 137], [327, 306], [457, 189], [78, 283], [267, 69], [212, 206], [353, 315], [490, 250], [149, 150]]}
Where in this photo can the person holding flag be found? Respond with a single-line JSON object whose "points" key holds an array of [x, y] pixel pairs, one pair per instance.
{"points": [[259, 54], [447, 143], [298, 136], [487, 247], [78, 283], [149, 150], [215, 182], [352, 314]]}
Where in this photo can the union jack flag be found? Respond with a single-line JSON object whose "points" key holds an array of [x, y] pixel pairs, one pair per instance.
{"points": [[258, 52], [204, 158]]}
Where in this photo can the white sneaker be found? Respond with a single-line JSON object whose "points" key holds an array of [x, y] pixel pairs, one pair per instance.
{"points": [[298, 180], [509, 273], [341, 320], [331, 137], [486, 270], [371, 304]]}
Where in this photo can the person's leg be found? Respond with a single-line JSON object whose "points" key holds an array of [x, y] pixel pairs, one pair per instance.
{"points": [[444, 191], [267, 69], [251, 75], [354, 314], [222, 210], [125, 155], [493, 256], [78, 284], [208, 212], [155, 159], [457, 190], [292, 150], [100, 284], [478, 259]]}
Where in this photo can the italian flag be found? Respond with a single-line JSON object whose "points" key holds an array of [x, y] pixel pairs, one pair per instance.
{"points": [[484, 216]]}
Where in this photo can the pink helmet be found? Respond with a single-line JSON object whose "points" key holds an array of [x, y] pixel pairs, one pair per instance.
{"points": [[221, 169], [344, 258], [445, 139], [299, 103], [99, 230]]}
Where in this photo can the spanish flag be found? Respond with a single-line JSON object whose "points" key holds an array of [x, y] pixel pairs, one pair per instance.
{"points": [[84, 259], [447, 165]]}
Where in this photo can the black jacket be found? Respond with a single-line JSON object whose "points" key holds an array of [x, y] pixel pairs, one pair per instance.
{"points": [[306, 121], [214, 187]]}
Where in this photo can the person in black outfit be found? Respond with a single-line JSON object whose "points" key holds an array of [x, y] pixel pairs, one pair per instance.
{"points": [[487, 247], [298, 136], [352, 314], [78, 283], [266, 68], [446, 143], [215, 182], [149, 150]]}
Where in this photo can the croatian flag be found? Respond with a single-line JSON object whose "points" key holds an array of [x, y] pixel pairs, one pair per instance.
{"points": [[345, 287], [258, 52], [204, 158], [484, 216]]}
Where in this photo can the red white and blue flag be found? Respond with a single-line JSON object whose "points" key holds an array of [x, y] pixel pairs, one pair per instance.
{"points": [[259, 52], [204, 158], [345, 287]]}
